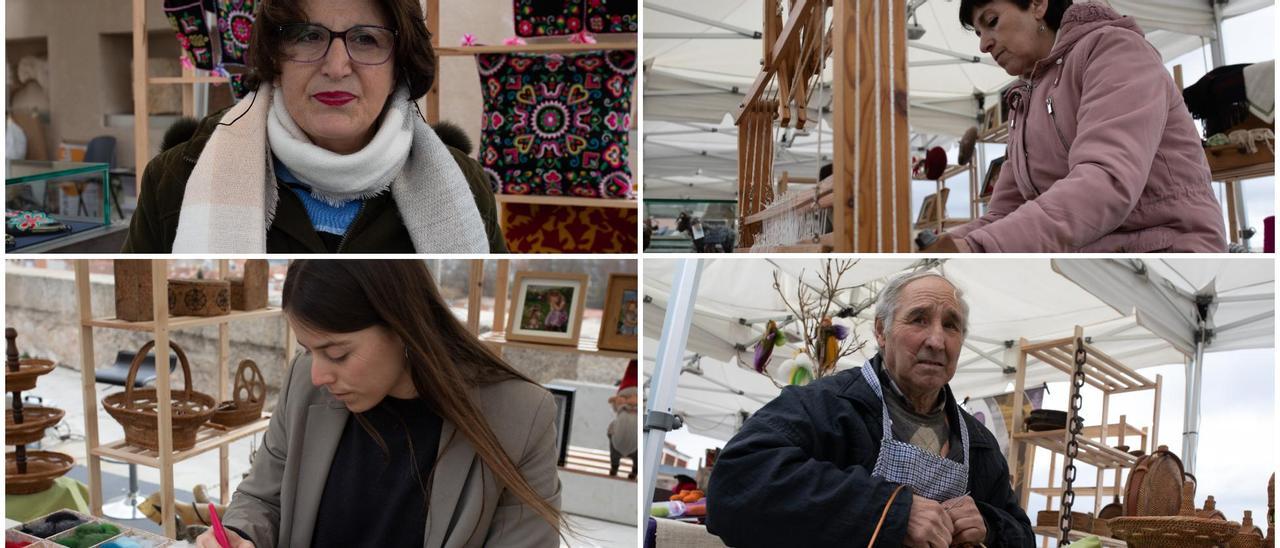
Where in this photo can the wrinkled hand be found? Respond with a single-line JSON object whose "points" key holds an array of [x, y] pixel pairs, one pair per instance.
{"points": [[929, 525], [208, 540], [967, 522]]}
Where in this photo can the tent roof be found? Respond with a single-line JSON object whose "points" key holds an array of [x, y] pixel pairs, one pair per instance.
{"points": [[698, 81], [1009, 299]]}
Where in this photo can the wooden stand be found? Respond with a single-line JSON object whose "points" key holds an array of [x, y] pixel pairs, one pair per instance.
{"points": [[871, 182], [1110, 377], [160, 327], [939, 219]]}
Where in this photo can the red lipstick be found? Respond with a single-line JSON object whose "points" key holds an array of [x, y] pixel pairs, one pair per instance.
{"points": [[334, 98]]}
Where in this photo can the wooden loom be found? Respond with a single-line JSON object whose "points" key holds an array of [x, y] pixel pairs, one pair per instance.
{"points": [[867, 198]]}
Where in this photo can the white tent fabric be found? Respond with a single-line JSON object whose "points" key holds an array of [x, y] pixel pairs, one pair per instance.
{"points": [[698, 81], [1009, 299]]}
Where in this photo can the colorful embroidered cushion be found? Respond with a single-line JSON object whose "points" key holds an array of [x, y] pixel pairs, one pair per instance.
{"points": [[187, 18], [557, 124], [235, 24], [532, 228], [560, 17]]}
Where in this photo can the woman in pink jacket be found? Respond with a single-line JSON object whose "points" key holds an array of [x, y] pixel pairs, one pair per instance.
{"points": [[1103, 156]]}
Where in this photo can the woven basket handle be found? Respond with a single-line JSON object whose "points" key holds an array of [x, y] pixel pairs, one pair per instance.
{"points": [[142, 355]]}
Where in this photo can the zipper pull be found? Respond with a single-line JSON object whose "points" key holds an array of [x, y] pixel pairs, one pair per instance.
{"points": [[1049, 101]]}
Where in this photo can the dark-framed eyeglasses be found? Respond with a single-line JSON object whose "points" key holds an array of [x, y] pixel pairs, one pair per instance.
{"points": [[309, 42]]}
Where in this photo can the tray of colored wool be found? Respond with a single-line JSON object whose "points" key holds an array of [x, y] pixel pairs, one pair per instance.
{"points": [[52, 524], [15, 539], [133, 541], [87, 535]]}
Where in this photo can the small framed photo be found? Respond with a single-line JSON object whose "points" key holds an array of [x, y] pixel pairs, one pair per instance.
{"points": [[547, 307], [619, 327], [564, 419]]}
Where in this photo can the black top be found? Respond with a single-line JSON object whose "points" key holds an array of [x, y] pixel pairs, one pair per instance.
{"points": [[373, 498]]}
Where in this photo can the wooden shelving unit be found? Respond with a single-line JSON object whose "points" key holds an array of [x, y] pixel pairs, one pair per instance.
{"points": [[1109, 376], [941, 222], [207, 438]]}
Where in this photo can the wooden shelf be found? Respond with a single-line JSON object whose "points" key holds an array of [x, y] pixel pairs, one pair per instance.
{"points": [[1264, 169], [951, 171], [1101, 371], [1081, 492], [950, 222], [594, 462], [181, 322], [566, 201], [539, 47], [188, 80], [586, 345], [1077, 535], [998, 134], [207, 438], [1090, 451]]}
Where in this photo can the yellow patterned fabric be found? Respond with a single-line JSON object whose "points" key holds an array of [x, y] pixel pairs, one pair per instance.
{"points": [[562, 229]]}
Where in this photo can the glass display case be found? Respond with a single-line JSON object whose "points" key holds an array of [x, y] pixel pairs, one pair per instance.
{"points": [[49, 202]]}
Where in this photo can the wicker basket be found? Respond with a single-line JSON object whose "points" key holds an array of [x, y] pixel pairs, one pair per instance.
{"points": [[1154, 486], [1184, 530], [42, 468], [25, 377], [135, 410], [1079, 521], [35, 419], [250, 394]]}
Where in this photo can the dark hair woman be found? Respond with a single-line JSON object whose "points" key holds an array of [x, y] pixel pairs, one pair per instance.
{"points": [[1103, 155], [328, 154], [397, 426]]}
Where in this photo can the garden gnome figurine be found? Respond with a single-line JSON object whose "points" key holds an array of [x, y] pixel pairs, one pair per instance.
{"points": [[622, 431]]}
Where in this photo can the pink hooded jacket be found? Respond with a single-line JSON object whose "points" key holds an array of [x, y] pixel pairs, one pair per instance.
{"points": [[1103, 156]]}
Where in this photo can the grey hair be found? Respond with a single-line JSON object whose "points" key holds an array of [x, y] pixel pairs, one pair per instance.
{"points": [[887, 301]]}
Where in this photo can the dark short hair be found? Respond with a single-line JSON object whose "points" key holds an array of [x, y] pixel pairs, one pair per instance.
{"points": [[414, 57], [1052, 15]]}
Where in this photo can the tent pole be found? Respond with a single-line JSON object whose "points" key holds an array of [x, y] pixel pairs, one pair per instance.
{"points": [[1215, 46], [1191, 418], [660, 413]]}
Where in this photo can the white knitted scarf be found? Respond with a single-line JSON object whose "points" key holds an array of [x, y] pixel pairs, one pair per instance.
{"points": [[230, 197]]}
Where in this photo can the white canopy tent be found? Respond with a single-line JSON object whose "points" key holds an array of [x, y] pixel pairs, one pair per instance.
{"points": [[1009, 299], [702, 56]]}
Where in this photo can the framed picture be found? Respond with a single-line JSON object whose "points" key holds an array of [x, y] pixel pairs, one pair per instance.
{"points": [[618, 328], [547, 307], [929, 211], [564, 419]]}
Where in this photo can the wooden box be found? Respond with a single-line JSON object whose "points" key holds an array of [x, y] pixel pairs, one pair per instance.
{"points": [[250, 291], [133, 290], [199, 297]]}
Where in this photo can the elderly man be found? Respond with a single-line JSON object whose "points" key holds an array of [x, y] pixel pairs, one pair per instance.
{"points": [[882, 451]]}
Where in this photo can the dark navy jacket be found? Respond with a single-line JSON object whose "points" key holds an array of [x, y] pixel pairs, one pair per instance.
{"points": [[799, 474]]}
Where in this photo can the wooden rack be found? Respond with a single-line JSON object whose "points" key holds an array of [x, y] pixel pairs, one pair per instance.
{"points": [[869, 125], [1103, 373], [208, 437]]}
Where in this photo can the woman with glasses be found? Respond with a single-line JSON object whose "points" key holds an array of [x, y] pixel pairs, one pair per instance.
{"points": [[329, 154]]}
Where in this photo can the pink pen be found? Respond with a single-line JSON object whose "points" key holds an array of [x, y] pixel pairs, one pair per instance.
{"points": [[218, 532]]}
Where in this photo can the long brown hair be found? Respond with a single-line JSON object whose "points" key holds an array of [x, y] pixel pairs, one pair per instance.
{"points": [[414, 57], [444, 359]]}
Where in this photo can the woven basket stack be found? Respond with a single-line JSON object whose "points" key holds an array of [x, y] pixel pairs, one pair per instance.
{"points": [[27, 472]]}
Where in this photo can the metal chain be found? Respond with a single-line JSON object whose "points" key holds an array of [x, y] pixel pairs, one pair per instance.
{"points": [[1073, 427]]}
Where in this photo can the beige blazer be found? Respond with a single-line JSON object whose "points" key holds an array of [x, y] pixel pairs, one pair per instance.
{"points": [[277, 503]]}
